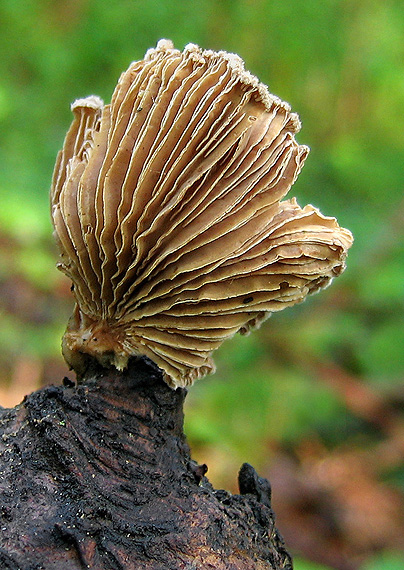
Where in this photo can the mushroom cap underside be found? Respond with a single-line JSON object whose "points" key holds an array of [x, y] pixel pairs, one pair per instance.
{"points": [[169, 216]]}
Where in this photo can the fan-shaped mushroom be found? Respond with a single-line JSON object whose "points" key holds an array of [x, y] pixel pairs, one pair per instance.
{"points": [[168, 216]]}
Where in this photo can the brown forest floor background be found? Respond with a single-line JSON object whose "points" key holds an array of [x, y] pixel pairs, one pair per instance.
{"points": [[315, 400]]}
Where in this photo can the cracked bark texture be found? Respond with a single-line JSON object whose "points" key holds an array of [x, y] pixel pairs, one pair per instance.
{"points": [[99, 475]]}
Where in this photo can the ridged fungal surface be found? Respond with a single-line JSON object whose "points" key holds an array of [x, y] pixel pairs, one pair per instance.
{"points": [[169, 215]]}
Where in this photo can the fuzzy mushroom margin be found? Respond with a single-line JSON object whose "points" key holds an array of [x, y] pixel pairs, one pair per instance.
{"points": [[168, 213]]}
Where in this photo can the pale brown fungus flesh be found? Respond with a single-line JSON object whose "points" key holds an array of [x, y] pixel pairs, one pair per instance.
{"points": [[169, 216]]}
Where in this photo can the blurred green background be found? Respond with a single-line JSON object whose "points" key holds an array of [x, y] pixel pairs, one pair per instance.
{"points": [[315, 399]]}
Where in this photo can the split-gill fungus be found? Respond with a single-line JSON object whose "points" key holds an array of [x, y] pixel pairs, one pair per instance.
{"points": [[168, 214]]}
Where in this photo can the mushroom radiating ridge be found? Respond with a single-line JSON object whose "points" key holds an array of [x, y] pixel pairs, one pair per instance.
{"points": [[167, 212]]}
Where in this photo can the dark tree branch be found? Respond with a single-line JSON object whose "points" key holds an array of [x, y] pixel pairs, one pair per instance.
{"points": [[100, 476]]}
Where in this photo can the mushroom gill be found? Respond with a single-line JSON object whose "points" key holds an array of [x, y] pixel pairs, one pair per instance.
{"points": [[167, 212]]}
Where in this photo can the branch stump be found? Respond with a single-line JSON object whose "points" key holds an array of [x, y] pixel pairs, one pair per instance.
{"points": [[99, 475]]}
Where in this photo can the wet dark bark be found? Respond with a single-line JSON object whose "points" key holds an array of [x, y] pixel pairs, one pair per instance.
{"points": [[100, 476]]}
